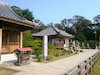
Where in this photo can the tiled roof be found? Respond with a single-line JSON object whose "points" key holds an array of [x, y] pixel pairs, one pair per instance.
{"points": [[24, 49], [52, 31], [7, 13]]}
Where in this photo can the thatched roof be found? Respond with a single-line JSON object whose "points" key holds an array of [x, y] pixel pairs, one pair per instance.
{"points": [[52, 31], [6, 13]]}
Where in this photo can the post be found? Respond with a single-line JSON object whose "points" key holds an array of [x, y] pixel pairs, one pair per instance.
{"points": [[21, 39], [45, 47], [90, 63], [79, 73], [0, 42], [86, 68]]}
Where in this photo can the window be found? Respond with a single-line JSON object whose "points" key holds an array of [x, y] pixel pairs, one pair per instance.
{"points": [[14, 38]]}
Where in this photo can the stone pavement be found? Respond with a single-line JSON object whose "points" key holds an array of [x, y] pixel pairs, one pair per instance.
{"points": [[58, 67]]}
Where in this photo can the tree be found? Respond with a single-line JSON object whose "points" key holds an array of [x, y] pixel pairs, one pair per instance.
{"points": [[25, 13], [89, 34], [17, 10], [80, 23], [59, 26], [67, 22], [96, 26], [27, 39], [80, 37], [50, 24], [42, 26], [96, 19], [34, 43]]}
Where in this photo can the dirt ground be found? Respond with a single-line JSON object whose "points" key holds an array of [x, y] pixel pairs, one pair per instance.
{"points": [[4, 71]]}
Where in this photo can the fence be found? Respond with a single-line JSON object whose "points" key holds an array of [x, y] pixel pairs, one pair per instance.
{"points": [[85, 67]]}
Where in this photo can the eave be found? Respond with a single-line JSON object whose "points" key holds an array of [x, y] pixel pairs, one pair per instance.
{"points": [[22, 23]]}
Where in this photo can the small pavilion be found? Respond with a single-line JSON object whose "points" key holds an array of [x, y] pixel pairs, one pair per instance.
{"points": [[11, 29], [53, 36]]}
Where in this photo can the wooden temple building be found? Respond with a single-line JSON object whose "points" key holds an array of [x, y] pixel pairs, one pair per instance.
{"points": [[56, 37], [11, 29], [53, 36]]}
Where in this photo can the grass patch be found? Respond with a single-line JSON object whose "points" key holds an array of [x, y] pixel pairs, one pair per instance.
{"points": [[6, 71], [96, 68]]}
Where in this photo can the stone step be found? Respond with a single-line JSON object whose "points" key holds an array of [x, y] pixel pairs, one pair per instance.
{"points": [[8, 57]]}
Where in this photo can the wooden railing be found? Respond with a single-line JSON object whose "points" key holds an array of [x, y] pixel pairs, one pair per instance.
{"points": [[85, 67]]}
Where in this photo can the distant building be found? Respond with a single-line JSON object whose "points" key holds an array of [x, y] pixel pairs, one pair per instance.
{"points": [[53, 36], [56, 37]]}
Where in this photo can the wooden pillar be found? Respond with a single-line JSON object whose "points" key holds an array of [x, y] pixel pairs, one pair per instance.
{"points": [[0, 42], [45, 47], [8, 47], [21, 39]]}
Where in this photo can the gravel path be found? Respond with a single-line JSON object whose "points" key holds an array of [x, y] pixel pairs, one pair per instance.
{"points": [[58, 67]]}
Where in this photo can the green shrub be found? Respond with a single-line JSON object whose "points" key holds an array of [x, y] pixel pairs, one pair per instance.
{"points": [[50, 57], [53, 51], [57, 54], [81, 50], [64, 51], [40, 59], [36, 55], [34, 43], [51, 47], [37, 49], [62, 54], [67, 51]]}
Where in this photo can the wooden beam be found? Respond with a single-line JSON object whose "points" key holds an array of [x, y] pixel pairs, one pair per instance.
{"points": [[16, 22], [12, 26]]}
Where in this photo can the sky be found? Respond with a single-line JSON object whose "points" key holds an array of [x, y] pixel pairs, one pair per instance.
{"points": [[56, 10]]}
